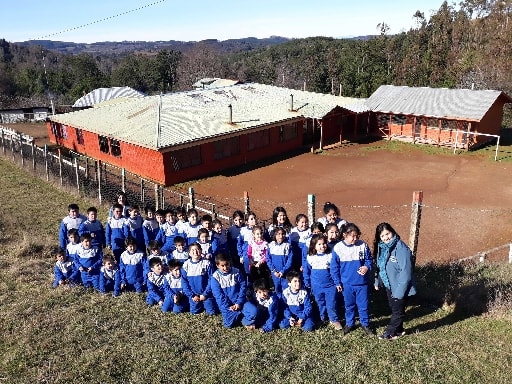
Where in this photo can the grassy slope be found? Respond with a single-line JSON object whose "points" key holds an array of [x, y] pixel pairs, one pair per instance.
{"points": [[65, 335]]}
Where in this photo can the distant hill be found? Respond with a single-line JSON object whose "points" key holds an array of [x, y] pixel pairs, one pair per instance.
{"points": [[124, 47]]}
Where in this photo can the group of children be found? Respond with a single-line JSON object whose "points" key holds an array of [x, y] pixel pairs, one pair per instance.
{"points": [[264, 278]]}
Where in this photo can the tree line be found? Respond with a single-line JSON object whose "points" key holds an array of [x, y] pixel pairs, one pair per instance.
{"points": [[463, 46]]}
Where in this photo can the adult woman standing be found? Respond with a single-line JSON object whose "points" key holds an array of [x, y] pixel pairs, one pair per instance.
{"points": [[395, 272], [121, 199]]}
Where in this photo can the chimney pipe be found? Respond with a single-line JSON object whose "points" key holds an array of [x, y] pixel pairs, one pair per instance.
{"points": [[230, 118], [291, 103]]}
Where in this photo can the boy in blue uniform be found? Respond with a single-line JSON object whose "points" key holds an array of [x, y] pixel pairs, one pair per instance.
{"points": [[181, 252], [262, 311], [191, 228], [72, 221], [150, 226], [168, 231], [132, 267], [220, 237], [110, 277], [88, 261], [175, 299], [133, 227], [155, 281], [195, 274], [229, 289], [298, 311], [114, 231], [94, 228], [64, 271]]}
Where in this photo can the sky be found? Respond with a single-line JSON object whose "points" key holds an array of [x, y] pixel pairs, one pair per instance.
{"points": [[194, 20]]}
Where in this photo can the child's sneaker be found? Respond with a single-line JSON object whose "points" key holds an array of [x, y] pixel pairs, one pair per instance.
{"points": [[387, 336], [368, 331], [347, 329], [337, 326]]}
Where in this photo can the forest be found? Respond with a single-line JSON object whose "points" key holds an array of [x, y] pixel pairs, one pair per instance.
{"points": [[468, 45]]}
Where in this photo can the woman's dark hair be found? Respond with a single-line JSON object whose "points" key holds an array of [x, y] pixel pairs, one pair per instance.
{"points": [[381, 227]]}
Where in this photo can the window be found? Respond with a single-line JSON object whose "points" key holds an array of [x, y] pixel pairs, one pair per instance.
{"points": [[288, 132], [79, 136], [258, 139], [226, 148], [185, 158], [103, 141], [398, 119], [115, 147]]}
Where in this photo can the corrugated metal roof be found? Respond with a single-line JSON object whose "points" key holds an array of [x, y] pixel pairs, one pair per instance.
{"points": [[179, 118], [100, 95], [433, 102]]}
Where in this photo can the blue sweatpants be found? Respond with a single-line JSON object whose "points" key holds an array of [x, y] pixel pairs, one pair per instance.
{"points": [[356, 295]]}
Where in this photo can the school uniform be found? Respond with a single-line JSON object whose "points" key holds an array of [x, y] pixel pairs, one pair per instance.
{"points": [[297, 305], [132, 270], [189, 232], [174, 286], [133, 228], [95, 229], [298, 241], [115, 236], [110, 281], [196, 282], [88, 258], [67, 224], [166, 234], [64, 270], [156, 290], [229, 289], [279, 259], [262, 313], [150, 229]]}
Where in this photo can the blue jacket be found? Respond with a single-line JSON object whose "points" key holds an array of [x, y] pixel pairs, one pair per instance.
{"points": [[243, 241], [233, 233], [268, 308], [88, 258], [346, 261], [196, 278], [95, 228], [67, 224], [399, 269], [150, 229], [221, 240], [110, 281], [64, 270], [115, 233], [133, 228], [317, 274], [166, 235], [189, 232], [279, 257], [132, 267], [296, 305], [156, 288], [228, 288]]}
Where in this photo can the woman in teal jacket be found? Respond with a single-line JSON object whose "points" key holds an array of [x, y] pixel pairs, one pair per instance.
{"points": [[395, 271]]}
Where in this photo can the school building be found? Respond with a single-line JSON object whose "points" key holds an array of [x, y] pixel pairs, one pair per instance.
{"points": [[182, 136]]}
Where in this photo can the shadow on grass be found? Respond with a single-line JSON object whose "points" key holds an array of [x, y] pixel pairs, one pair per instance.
{"points": [[461, 291]]}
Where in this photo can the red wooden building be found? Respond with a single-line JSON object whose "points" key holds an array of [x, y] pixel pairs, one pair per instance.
{"points": [[440, 116], [182, 136]]}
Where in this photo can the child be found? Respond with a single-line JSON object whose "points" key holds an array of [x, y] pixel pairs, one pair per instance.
{"points": [[332, 233], [73, 242], [155, 282], [195, 276], [229, 289], [168, 231], [191, 228], [245, 236], [132, 269], [220, 237], [206, 246], [110, 277], [64, 271], [88, 261], [316, 228], [115, 231], [255, 259], [150, 225], [133, 227], [206, 222], [160, 218], [181, 215], [123, 201], [233, 233], [262, 311], [279, 220], [332, 215], [72, 221], [181, 252], [298, 237], [350, 270], [279, 260], [175, 299], [297, 305], [94, 228], [317, 276], [155, 250]]}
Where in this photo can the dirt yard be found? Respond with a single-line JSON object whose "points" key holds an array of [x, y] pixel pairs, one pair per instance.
{"points": [[467, 200], [36, 130]]}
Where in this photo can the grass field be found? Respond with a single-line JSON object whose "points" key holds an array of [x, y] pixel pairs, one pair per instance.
{"points": [[459, 327]]}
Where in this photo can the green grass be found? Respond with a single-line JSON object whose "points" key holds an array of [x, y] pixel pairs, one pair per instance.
{"points": [[459, 326]]}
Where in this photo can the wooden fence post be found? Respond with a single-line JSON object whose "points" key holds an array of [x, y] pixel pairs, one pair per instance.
{"points": [[87, 168], [33, 155], [21, 150], [98, 175], [214, 212], [60, 168], [417, 204], [311, 208], [47, 169], [246, 202], [3, 141], [123, 179], [142, 191], [182, 200], [12, 149], [157, 197], [191, 198], [162, 197], [75, 164]]}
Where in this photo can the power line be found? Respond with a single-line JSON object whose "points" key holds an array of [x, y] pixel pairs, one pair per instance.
{"points": [[98, 21]]}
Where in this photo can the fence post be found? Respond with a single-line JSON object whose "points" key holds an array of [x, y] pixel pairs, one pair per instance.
{"points": [[47, 169], [182, 200], [214, 212], [482, 257], [33, 155], [157, 197], [162, 197], [3, 142], [87, 168], [21, 150], [123, 179], [98, 174], [311, 208], [191, 198], [417, 204], [75, 163], [246, 202], [142, 194], [60, 168], [12, 149]]}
